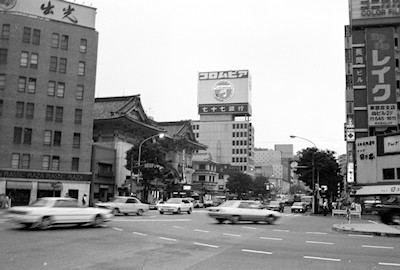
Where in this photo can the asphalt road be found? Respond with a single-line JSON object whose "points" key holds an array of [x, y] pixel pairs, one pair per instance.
{"points": [[154, 241]]}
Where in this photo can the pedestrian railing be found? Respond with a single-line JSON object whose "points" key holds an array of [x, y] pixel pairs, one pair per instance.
{"points": [[345, 212]]}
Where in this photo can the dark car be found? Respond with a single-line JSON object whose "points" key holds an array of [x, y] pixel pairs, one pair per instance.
{"points": [[389, 211], [276, 206]]}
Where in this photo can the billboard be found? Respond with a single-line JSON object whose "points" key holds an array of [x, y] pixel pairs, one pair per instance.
{"points": [[366, 153], [57, 10], [224, 92], [381, 87], [369, 12]]}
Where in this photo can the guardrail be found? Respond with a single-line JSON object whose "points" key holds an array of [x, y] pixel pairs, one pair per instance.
{"points": [[344, 212]]}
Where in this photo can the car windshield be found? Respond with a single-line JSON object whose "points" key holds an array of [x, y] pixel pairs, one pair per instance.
{"points": [[297, 204], [274, 203], [227, 204], [40, 203], [118, 200], [174, 200]]}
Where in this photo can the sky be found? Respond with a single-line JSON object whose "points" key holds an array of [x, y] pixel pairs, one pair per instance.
{"points": [[294, 51]]}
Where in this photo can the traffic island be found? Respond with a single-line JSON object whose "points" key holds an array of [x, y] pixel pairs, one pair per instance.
{"points": [[377, 229]]}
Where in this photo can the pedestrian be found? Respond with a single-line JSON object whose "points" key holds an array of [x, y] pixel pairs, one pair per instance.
{"points": [[325, 207], [84, 199]]}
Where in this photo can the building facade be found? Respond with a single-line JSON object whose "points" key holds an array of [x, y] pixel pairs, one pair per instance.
{"points": [[47, 82]]}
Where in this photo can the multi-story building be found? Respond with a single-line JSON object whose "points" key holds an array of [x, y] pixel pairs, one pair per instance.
{"points": [[372, 127], [48, 56]]}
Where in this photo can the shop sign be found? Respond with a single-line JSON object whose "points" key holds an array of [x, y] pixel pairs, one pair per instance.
{"points": [[391, 144], [45, 175]]}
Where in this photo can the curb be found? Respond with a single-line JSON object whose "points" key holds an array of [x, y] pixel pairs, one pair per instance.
{"points": [[342, 229]]}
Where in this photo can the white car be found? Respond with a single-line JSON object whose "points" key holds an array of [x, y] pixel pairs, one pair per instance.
{"points": [[49, 211], [175, 205], [241, 210], [125, 205]]}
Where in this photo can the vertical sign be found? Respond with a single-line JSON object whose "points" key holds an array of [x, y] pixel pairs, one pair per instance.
{"points": [[359, 67], [382, 106]]}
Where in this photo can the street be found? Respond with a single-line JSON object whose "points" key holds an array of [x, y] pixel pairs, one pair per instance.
{"points": [[154, 241]]}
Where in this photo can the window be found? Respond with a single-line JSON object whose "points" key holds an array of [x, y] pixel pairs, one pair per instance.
{"points": [[57, 138], [51, 88], [79, 92], [64, 42], [397, 171], [32, 85], [77, 140], [53, 63], [202, 178], [26, 36], [81, 68], [24, 59], [21, 84], [3, 56], [5, 31], [75, 164], [34, 60], [47, 137], [26, 160], [20, 109], [55, 163], [63, 65], [1, 107], [27, 136], [30, 108], [388, 174], [2, 81], [83, 46], [17, 135], [46, 162], [202, 166], [49, 113], [78, 116], [59, 114], [15, 161], [60, 89], [36, 37], [55, 40]]}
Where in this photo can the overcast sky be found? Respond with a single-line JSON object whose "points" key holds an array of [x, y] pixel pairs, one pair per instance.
{"points": [[294, 51]]}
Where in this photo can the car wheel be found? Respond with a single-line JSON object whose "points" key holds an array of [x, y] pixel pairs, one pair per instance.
{"points": [[385, 219], [115, 211], [220, 220], [395, 218], [97, 221], [189, 211], [270, 219], [45, 223], [178, 211], [140, 212], [162, 212], [235, 219]]}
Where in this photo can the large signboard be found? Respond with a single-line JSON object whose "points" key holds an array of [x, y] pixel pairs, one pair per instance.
{"points": [[224, 92], [366, 160], [381, 87], [368, 12], [57, 10], [391, 144]]}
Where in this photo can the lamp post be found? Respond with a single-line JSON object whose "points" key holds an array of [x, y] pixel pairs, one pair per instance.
{"points": [[315, 205]]}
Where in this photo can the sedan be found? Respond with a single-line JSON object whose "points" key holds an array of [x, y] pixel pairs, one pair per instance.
{"points": [[299, 207], [175, 206], [276, 206], [125, 205], [49, 211], [238, 210]]}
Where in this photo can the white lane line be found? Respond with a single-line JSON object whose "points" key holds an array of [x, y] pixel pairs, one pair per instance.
{"points": [[178, 227], [197, 230], [205, 245], [250, 228], [390, 264], [374, 222], [138, 233], [117, 229], [152, 220], [366, 246], [230, 234], [316, 242], [360, 235], [168, 239], [270, 238], [321, 258], [256, 251], [316, 232], [276, 230]]}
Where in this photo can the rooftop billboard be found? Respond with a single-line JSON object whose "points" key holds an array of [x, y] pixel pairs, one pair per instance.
{"points": [[369, 12]]}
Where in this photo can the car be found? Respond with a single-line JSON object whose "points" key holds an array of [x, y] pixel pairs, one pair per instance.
{"points": [[175, 206], [298, 207], [389, 211], [208, 203], [49, 211], [242, 210], [276, 206], [370, 206], [125, 205], [153, 205]]}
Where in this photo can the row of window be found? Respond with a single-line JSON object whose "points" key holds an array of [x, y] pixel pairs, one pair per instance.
{"points": [[390, 173], [32, 36], [31, 60], [23, 161], [239, 126], [239, 159], [241, 142], [239, 151], [24, 136], [239, 134], [54, 89]]}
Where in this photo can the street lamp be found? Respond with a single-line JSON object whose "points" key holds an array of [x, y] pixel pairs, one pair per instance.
{"points": [[315, 206]]}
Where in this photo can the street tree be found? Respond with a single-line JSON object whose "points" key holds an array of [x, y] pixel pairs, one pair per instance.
{"points": [[260, 186], [240, 184]]}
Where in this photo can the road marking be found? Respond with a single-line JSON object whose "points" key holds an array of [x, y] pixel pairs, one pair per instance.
{"points": [[229, 234], [281, 230], [366, 246], [250, 228], [168, 239], [321, 258], [360, 235], [153, 220], [117, 229], [256, 251], [197, 230], [138, 233], [374, 222], [178, 227], [390, 264], [316, 232], [269, 238], [205, 245], [322, 243]]}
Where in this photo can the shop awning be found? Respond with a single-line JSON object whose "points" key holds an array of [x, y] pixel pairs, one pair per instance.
{"points": [[49, 186], [19, 185], [379, 190]]}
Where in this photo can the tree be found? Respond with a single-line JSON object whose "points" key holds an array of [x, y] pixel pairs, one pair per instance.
{"points": [[327, 170], [298, 189], [260, 186], [239, 184]]}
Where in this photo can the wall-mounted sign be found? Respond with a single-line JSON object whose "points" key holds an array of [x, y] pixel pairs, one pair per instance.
{"points": [[391, 144], [237, 109], [366, 153]]}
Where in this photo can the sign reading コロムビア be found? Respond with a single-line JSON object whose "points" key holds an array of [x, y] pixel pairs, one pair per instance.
{"points": [[367, 12], [224, 92]]}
